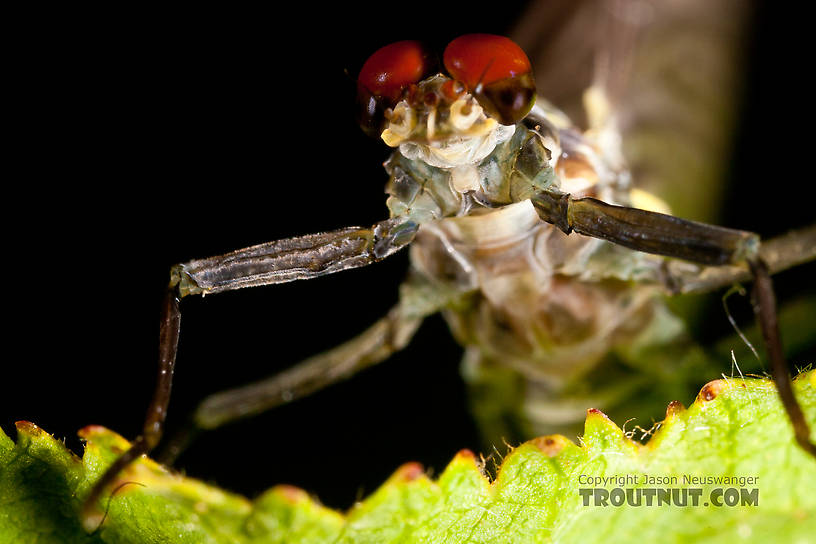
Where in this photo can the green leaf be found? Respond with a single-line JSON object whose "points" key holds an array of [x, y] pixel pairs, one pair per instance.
{"points": [[735, 428]]}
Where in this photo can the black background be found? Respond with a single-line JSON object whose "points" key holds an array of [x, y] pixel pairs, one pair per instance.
{"points": [[147, 138]]}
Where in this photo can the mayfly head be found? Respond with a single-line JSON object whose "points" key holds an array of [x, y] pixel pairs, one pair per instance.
{"points": [[455, 115]]}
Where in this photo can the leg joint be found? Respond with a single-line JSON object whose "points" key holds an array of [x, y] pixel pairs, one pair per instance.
{"points": [[183, 282]]}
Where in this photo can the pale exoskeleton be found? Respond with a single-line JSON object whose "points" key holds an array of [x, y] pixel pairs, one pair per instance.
{"points": [[487, 197]]}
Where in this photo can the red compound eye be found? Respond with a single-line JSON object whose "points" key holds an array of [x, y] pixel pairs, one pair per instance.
{"points": [[392, 68], [496, 71], [384, 77]]}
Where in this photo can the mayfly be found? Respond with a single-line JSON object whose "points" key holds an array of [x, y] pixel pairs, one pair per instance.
{"points": [[524, 232]]}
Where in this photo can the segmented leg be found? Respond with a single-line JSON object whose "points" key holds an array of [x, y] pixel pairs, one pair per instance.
{"points": [[780, 253], [662, 234], [388, 335], [285, 260], [154, 422], [765, 310]]}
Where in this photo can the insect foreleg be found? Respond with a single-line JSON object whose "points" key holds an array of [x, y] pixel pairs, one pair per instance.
{"points": [[293, 259], [786, 251], [765, 310], [169, 328], [647, 231], [662, 234], [285, 260]]}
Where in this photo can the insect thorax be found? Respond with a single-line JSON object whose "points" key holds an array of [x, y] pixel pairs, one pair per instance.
{"points": [[522, 293]]}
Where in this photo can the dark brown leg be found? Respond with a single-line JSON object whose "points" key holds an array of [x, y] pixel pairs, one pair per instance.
{"points": [[646, 231], [157, 411], [662, 234], [291, 259], [765, 310]]}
